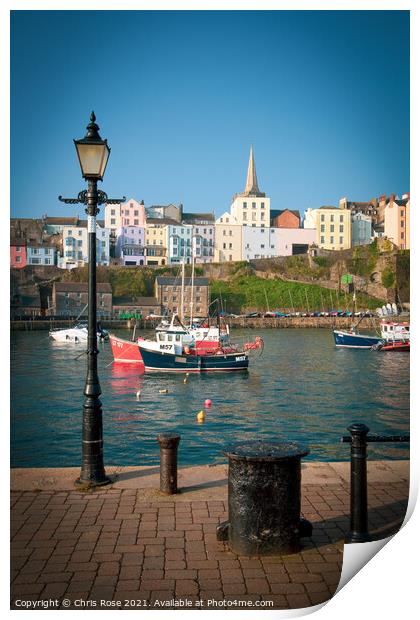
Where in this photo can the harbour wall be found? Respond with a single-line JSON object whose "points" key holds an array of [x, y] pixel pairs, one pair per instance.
{"points": [[238, 322]]}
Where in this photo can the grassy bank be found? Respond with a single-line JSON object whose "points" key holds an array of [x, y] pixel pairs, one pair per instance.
{"points": [[252, 293]]}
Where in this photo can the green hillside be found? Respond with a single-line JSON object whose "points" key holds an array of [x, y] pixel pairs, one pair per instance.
{"points": [[251, 293]]}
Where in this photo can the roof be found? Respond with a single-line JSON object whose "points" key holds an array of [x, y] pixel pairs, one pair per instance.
{"points": [[163, 280], [198, 216], [29, 244], [63, 221], [402, 203], [329, 207], [277, 212], [162, 220], [17, 241], [80, 287], [135, 301], [83, 223]]}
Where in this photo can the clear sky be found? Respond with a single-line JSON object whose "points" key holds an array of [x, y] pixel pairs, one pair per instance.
{"points": [[323, 96]]}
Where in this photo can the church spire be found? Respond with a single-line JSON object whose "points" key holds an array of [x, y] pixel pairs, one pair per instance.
{"points": [[251, 186]]}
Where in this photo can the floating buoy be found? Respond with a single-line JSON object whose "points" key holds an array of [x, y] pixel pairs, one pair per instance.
{"points": [[186, 377], [208, 402], [138, 394], [201, 416], [165, 391]]}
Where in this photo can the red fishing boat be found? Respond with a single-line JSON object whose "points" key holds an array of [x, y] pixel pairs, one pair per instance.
{"points": [[126, 351], [394, 346]]}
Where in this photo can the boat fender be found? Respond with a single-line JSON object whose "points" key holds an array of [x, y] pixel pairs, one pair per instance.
{"points": [[201, 416], [165, 391], [186, 349], [138, 394], [208, 402]]}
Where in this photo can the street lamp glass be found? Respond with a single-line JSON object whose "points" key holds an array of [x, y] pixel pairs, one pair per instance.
{"points": [[93, 157]]}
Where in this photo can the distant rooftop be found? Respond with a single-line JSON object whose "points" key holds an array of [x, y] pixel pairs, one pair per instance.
{"points": [[81, 287], [135, 301], [167, 281]]}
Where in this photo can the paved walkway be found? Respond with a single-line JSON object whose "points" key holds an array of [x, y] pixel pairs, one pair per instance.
{"points": [[127, 545]]}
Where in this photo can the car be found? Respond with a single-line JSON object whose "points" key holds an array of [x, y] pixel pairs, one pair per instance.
{"points": [[253, 315]]}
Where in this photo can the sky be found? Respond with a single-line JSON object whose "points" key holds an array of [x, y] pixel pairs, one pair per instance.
{"points": [[323, 97]]}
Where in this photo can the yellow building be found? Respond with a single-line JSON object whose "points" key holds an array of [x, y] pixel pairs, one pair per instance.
{"points": [[397, 221], [333, 227], [156, 241], [228, 239]]}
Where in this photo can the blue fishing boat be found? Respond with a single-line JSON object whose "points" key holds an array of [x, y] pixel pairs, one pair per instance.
{"points": [[354, 340], [163, 361]]}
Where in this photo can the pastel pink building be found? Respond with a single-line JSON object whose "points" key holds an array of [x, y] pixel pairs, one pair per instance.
{"points": [[18, 254]]}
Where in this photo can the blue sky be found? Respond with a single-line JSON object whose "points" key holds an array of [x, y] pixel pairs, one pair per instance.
{"points": [[323, 96]]}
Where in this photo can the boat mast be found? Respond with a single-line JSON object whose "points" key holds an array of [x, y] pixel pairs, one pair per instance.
{"points": [[266, 300], [192, 285], [181, 314]]}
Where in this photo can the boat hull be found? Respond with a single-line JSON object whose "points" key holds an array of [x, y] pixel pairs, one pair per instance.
{"points": [[395, 346], [159, 361], [125, 351], [355, 341]]}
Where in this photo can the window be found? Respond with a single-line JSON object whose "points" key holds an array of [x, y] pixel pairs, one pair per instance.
{"points": [[322, 227], [244, 205], [34, 251], [136, 222], [332, 228], [244, 216], [230, 246], [272, 247], [322, 239], [126, 222], [262, 246], [341, 228], [224, 232], [341, 218], [331, 239], [262, 226], [331, 217], [262, 205], [69, 233], [18, 248], [402, 235], [126, 212], [80, 232], [341, 240], [136, 213], [254, 205], [402, 223], [402, 212], [112, 211], [103, 244], [230, 256], [112, 221], [35, 261], [230, 233], [262, 215], [79, 243], [224, 246], [18, 259], [322, 217], [254, 216]]}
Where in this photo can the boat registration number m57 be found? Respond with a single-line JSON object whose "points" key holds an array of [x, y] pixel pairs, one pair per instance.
{"points": [[165, 346], [241, 358]]}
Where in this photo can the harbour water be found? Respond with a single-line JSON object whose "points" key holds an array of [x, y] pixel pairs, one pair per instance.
{"points": [[301, 388]]}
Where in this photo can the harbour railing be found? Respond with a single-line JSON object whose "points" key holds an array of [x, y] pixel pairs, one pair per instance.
{"points": [[359, 439]]}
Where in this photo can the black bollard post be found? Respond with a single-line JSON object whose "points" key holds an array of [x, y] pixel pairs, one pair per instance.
{"points": [[358, 485], [168, 443]]}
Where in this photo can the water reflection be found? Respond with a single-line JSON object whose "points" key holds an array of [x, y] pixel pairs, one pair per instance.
{"points": [[302, 388]]}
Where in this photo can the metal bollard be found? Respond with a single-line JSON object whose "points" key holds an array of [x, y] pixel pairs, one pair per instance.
{"points": [[168, 443], [358, 485], [264, 498]]}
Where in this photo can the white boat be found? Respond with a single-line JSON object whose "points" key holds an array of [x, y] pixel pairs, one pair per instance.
{"points": [[76, 334], [392, 331]]}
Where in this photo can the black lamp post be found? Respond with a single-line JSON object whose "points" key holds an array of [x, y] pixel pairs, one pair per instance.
{"points": [[93, 154]]}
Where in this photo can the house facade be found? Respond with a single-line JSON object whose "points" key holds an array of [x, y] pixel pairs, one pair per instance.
{"points": [[169, 295], [332, 225], [130, 245], [291, 241], [361, 229], [397, 221], [140, 306], [75, 244], [285, 218], [17, 253], [40, 254], [228, 239], [71, 299]]}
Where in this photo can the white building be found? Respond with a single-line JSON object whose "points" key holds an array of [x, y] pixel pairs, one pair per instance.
{"points": [[75, 251], [288, 241], [256, 243]]}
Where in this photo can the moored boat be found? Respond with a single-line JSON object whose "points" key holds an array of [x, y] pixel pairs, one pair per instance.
{"points": [[163, 361], [76, 334], [125, 351], [354, 340]]}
